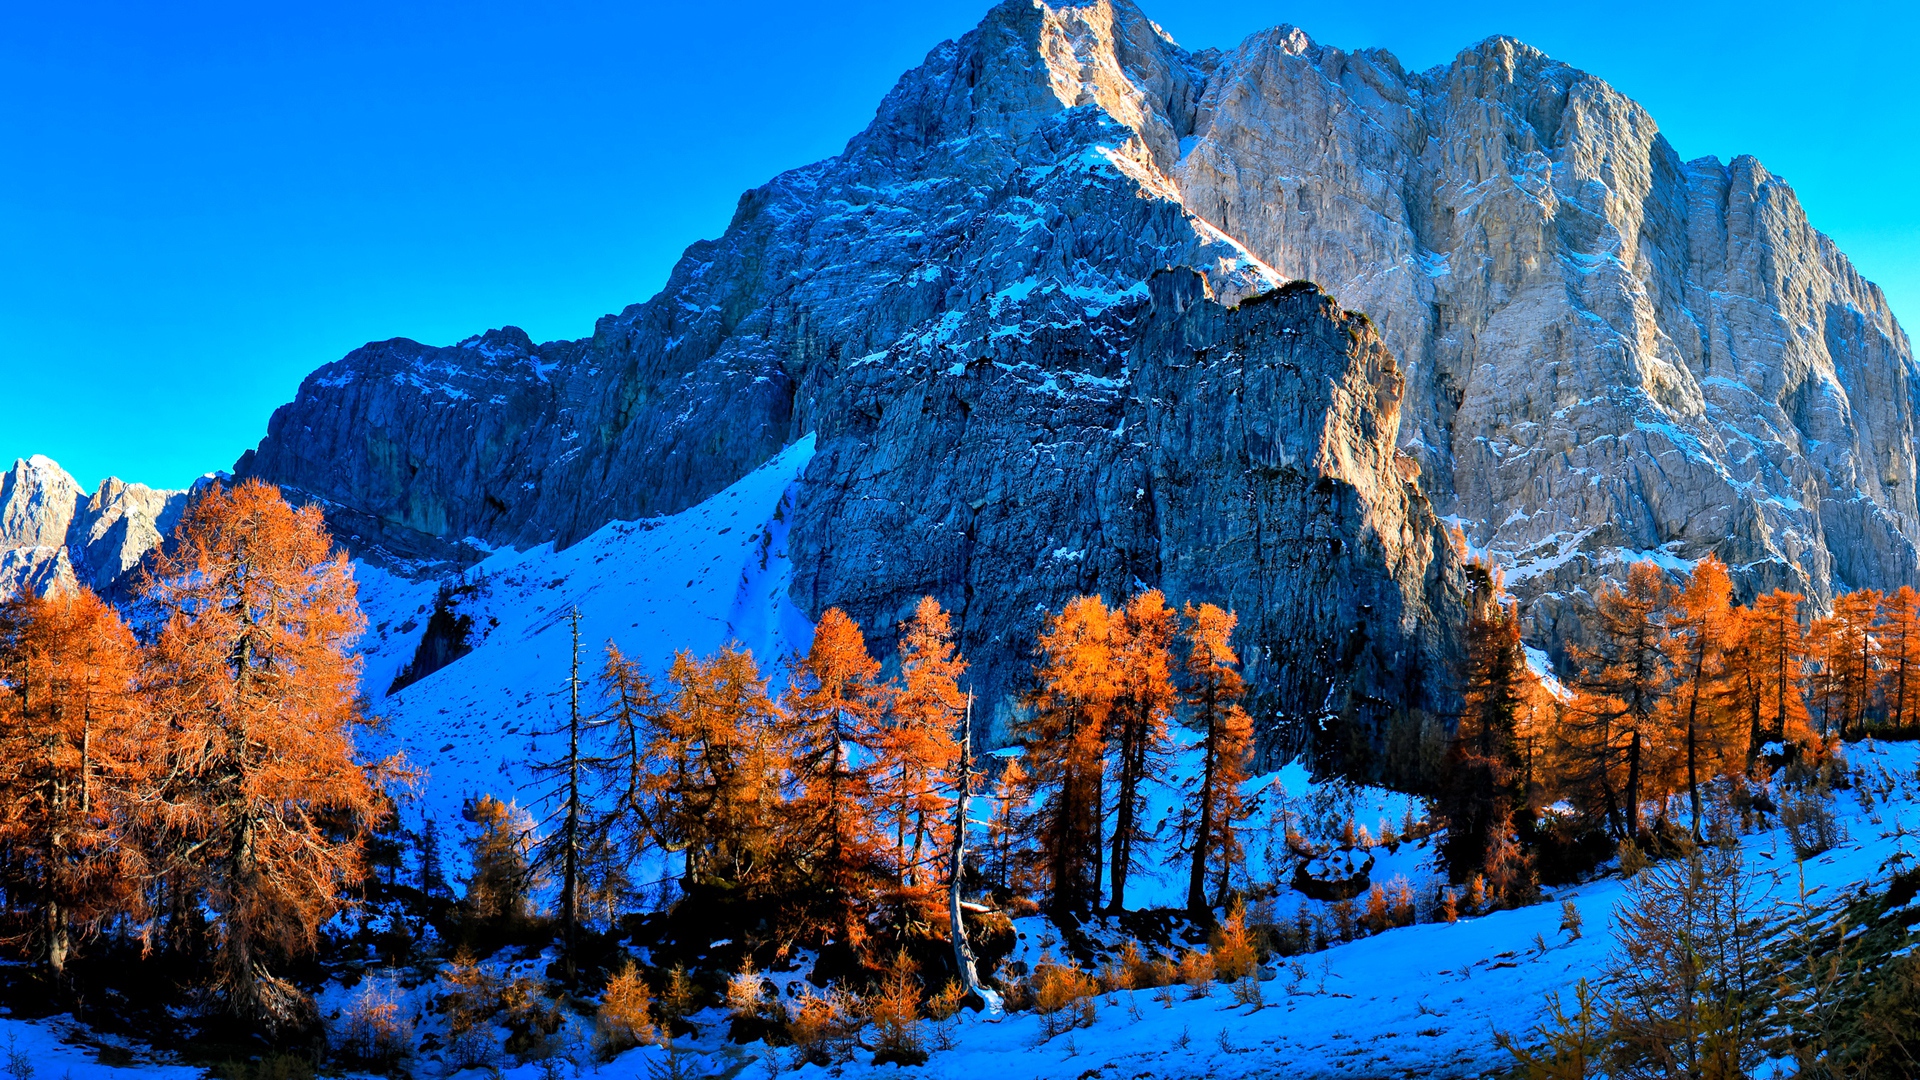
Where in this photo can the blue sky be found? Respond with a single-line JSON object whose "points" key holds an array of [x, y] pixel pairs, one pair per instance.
{"points": [[199, 203]]}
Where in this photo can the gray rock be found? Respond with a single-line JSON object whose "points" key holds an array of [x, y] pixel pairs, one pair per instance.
{"points": [[54, 536], [1607, 354]]}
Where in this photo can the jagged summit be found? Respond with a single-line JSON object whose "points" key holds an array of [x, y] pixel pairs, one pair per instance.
{"points": [[54, 535], [1606, 353]]}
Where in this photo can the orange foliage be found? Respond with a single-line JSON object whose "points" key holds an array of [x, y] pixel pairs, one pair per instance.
{"points": [[1144, 699], [833, 731], [256, 692], [72, 764], [1064, 737], [1214, 690], [920, 751]]}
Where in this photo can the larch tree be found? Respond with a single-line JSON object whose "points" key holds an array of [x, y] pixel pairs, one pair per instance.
{"points": [[919, 750], [1064, 735], [265, 807], [1623, 680], [1484, 790], [723, 759], [1849, 668], [1779, 646], [1702, 709], [1899, 635], [1144, 699], [1214, 691], [73, 767], [835, 712], [500, 848]]}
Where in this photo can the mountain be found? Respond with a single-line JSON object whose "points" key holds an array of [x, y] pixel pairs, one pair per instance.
{"points": [[53, 535], [1576, 349]]}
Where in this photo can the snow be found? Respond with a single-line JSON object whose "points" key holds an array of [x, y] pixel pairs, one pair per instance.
{"points": [[715, 573]]}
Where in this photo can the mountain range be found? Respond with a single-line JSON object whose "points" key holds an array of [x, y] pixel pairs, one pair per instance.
{"points": [[1283, 327]]}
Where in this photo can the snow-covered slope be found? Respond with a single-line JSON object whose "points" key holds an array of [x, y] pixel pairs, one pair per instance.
{"points": [[711, 574]]}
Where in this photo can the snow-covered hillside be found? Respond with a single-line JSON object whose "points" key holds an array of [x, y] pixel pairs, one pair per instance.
{"points": [[712, 574]]}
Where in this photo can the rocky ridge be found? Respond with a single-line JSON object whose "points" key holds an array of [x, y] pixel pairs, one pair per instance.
{"points": [[1603, 353], [55, 536]]}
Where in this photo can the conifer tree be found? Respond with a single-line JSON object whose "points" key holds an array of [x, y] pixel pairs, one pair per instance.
{"points": [[1703, 705], [1144, 698], [1614, 723], [1848, 673], [721, 760], [1899, 634], [919, 750], [1214, 690], [564, 777], [835, 711], [1064, 737], [501, 848], [265, 807], [1778, 642], [1484, 791], [73, 767]]}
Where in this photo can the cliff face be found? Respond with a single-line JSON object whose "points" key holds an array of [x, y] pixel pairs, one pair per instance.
{"points": [[55, 536], [1612, 354], [1598, 353], [1239, 455]]}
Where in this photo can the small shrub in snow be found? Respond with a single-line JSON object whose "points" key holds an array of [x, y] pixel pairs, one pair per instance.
{"points": [[894, 1013], [1570, 921], [624, 1018], [1233, 948], [1196, 973], [470, 997], [823, 1027], [1376, 919], [943, 1009], [1810, 822], [1062, 996], [373, 1032], [19, 1062]]}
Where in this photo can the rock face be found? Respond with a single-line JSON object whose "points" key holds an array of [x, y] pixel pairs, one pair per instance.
{"points": [[1241, 455], [1611, 354], [54, 536], [1603, 353]]}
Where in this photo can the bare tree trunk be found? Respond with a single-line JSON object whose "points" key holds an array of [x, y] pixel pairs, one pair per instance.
{"points": [[956, 874]]}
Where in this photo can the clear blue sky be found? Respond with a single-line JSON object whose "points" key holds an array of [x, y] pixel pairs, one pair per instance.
{"points": [[200, 203]]}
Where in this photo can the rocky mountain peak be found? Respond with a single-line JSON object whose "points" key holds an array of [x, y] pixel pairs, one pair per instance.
{"points": [[55, 536], [1603, 354]]}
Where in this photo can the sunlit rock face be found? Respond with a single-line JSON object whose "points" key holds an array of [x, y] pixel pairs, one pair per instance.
{"points": [[1599, 353], [55, 537]]}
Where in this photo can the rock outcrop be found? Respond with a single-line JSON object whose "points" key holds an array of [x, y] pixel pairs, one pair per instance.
{"points": [[1607, 354], [1241, 455], [54, 536]]}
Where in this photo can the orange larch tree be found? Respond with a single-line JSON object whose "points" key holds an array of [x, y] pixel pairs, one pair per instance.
{"points": [[835, 710], [1779, 646], [1702, 710], [721, 760], [1064, 735], [1848, 667], [1484, 792], [265, 805], [1622, 681], [1214, 690], [1899, 635], [72, 766], [920, 752], [1144, 699]]}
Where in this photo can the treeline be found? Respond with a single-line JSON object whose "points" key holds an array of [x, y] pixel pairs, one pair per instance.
{"points": [[828, 811], [1677, 691], [196, 798]]}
